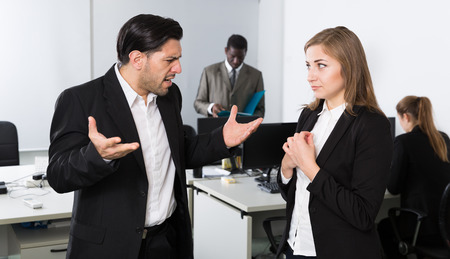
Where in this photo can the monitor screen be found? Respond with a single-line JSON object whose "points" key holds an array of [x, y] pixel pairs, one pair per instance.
{"points": [[208, 124], [263, 149]]}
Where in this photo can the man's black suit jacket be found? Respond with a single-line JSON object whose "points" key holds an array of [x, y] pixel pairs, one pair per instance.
{"points": [[110, 199], [347, 192], [419, 176]]}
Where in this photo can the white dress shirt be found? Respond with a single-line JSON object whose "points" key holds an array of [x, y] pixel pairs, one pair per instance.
{"points": [[230, 69], [158, 161], [301, 237], [230, 74]]}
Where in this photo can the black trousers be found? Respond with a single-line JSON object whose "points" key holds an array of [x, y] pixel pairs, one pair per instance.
{"points": [[159, 242]]}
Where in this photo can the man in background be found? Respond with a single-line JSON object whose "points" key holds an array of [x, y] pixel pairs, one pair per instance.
{"points": [[118, 142], [230, 82]]}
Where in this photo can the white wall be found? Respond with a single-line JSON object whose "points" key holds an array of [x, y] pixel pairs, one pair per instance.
{"points": [[406, 42], [48, 48], [270, 56], [55, 44], [45, 48]]}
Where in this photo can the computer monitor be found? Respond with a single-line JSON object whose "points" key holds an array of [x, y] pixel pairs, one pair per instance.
{"points": [[392, 121], [263, 149], [208, 124]]}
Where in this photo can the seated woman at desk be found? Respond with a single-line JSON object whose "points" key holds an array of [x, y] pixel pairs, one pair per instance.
{"points": [[420, 170], [333, 175]]}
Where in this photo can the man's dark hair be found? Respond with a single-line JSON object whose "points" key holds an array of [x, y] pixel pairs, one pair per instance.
{"points": [[146, 33], [237, 42]]}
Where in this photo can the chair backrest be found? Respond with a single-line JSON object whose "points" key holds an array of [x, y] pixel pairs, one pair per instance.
{"points": [[444, 215], [189, 130], [9, 144], [267, 225]]}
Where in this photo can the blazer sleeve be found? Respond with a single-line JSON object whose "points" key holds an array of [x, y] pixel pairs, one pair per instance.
{"points": [[399, 167], [358, 203], [284, 188], [201, 102], [204, 149], [74, 161]]}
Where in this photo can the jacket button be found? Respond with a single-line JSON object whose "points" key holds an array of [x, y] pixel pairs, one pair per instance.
{"points": [[139, 230], [312, 210], [143, 194]]}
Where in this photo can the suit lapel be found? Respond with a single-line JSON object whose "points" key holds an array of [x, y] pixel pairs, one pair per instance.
{"points": [[339, 130], [224, 75], [119, 111], [169, 113], [308, 118], [311, 120]]}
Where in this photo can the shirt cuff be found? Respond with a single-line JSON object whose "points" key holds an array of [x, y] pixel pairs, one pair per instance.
{"points": [[284, 180], [107, 161], [210, 108]]}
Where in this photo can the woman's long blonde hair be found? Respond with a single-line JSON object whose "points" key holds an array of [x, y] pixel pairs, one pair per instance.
{"points": [[421, 111]]}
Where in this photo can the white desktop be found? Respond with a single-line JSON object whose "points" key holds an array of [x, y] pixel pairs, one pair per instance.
{"points": [[24, 243]]}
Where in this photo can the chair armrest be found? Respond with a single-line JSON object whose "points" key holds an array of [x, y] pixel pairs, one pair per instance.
{"points": [[420, 214], [404, 247]]}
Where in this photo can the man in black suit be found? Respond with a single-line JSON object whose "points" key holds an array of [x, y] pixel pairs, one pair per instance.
{"points": [[118, 142]]}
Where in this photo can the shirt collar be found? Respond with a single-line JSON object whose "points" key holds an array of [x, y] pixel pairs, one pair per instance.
{"points": [[130, 94], [229, 68], [336, 112]]}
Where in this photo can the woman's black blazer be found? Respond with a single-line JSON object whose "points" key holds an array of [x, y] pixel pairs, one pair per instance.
{"points": [[419, 176], [347, 192]]}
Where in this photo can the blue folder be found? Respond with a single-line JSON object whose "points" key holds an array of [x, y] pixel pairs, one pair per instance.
{"points": [[250, 108]]}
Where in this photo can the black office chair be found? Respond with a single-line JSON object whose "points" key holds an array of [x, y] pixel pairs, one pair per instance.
{"points": [[189, 131], [406, 246], [9, 144], [273, 239]]}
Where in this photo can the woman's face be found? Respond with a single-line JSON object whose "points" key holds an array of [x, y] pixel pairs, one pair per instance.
{"points": [[324, 76], [405, 122]]}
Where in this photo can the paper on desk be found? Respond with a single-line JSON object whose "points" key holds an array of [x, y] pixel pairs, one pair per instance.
{"points": [[214, 172]]}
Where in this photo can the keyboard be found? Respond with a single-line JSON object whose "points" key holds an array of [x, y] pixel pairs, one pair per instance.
{"points": [[270, 187]]}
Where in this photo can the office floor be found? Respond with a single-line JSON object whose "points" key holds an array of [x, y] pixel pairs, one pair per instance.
{"points": [[260, 248]]}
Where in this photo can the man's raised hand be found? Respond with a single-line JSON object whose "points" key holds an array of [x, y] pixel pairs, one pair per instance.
{"points": [[109, 148], [235, 133]]}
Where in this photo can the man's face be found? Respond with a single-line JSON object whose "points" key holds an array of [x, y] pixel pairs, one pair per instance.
{"points": [[235, 56], [160, 68]]}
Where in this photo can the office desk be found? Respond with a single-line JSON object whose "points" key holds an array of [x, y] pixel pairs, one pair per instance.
{"points": [[13, 210], [229, 216], [55, 206], [190, 179]]}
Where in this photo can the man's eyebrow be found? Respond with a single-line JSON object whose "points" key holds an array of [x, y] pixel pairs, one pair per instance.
{"points": [[174, 57]]}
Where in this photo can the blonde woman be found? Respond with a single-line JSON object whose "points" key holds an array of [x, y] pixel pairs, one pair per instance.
{"points": [[333, 175], [420, 170]]}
